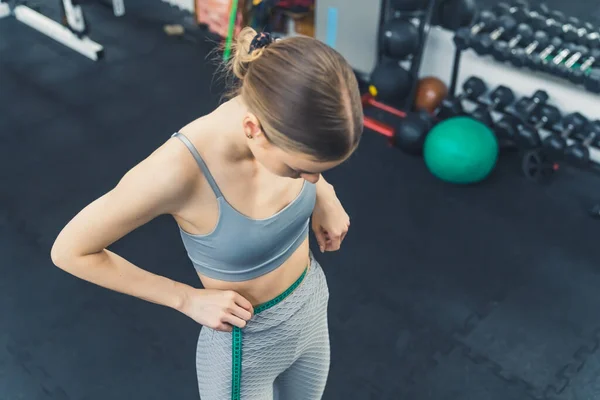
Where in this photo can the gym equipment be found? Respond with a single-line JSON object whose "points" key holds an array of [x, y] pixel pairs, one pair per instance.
{"points": [[482, 44], [452, 105], [502, 50], [556, 143], [536, 61], [506, 129], [592, 81], [525, 107], [72, 14], [500, 97], [230, 30], [411, 131], [581, 74], [536, 166], [518, 10], [460, 150], [519, 56], [553, 65], [390, 82], [406, 132], [408, 5], [455, 14], [528, 135], [544, 40], [464, 37], [579, 152], [73, 35], [399, 39], [576, 32], [566, 69], [431, 91], [552, 22]]}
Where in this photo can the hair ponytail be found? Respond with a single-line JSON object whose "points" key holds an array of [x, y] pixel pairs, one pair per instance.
{"points": [[242, 56], [303, 92]]}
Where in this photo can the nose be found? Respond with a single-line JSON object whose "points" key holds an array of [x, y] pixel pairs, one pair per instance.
{"points": [[312, 178]]}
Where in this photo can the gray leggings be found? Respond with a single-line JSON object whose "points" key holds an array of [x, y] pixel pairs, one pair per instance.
{"points": [[283, 352]]}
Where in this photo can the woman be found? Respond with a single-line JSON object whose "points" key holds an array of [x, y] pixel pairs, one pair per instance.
{"points": [[242, 184]]}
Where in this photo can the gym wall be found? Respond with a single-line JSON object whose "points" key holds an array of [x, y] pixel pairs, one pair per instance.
{"points": [[351, 27]]}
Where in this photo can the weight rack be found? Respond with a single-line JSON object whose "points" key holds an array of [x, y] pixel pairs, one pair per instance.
{"points": [[536, 164], [538, 39], [424, 17]]}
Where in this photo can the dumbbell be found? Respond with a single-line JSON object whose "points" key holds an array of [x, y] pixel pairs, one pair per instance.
{"points": [[464, 36], [527, 106], [500, 97], [586, 73], [579, 152], [576, 31], [506, 129], [553, 66], [592, 81], [502, 50], [472, 89], [593, 39], [569, 70], [519, 10], [528, 134], [536, 61], [519, 56], [556, 143], [552, 23], [483, 43]]}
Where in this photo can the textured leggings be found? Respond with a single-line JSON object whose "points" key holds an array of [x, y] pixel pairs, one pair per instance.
{"points": [[284, 349]]}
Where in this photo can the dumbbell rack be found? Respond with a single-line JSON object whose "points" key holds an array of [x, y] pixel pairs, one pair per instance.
{"points": [[539, 39], [538, 164], [399, 110]]}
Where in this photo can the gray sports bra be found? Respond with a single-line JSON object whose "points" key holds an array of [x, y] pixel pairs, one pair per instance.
{"points": [[241, 248]]}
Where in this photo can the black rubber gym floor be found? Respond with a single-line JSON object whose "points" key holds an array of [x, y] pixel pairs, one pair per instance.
{"points": [[440, 292]]}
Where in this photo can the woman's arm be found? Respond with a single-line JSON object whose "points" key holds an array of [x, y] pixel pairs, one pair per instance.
{"points": [[330, 222], [159, 185]]}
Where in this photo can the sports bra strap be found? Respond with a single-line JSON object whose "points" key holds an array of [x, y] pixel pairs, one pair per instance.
{"points": [[201, 163]]}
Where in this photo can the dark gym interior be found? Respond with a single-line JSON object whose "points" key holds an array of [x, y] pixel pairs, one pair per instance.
{"points": [[486, 292]]}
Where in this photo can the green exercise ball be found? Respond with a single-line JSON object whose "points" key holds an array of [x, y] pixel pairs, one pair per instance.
{"points": [[460, 150]]}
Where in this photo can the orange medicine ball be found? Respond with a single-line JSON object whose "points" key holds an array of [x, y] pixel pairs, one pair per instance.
{"points": [[430, 93]]}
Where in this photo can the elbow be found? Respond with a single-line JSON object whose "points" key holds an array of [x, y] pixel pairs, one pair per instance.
{"points": [[62, 255], [58, 255]]}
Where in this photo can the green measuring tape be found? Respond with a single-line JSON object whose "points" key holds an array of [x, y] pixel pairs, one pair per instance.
{"points": [[236, 347]]}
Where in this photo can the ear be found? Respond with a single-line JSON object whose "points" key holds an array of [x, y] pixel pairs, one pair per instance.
{"points": [[252, 128]]}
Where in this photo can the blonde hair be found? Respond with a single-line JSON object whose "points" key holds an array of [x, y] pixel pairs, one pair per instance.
{"points": [[303, 92]]}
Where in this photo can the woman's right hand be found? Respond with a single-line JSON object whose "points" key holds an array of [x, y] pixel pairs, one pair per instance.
{"points": [[217, 309]]}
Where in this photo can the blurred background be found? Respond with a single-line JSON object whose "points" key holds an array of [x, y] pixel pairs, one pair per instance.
{"points": [[441, 290]]}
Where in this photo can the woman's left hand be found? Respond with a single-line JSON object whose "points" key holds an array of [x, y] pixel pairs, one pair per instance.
{"points": [[330, 222]]}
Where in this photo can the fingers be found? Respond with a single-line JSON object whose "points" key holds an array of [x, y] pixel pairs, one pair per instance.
{"points": [[241, 313], [241, 301], [334, 240], [224, 327], [321, 236], [233, 320]]}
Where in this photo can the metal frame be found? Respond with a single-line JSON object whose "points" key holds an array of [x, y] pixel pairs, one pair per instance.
{"points": [[47, 26]]}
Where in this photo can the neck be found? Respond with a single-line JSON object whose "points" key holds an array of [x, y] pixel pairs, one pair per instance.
{"points": [[230, 117]]}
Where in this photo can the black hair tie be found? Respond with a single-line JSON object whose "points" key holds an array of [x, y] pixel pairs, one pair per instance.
{"points": [[261, 40]]}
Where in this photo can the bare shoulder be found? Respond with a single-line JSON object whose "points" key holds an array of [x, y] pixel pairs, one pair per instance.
{"points": [[160, 184]]}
